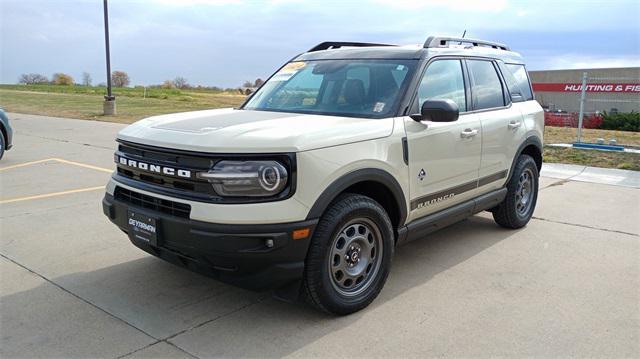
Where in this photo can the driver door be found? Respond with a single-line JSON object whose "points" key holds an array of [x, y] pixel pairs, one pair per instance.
{"points": [[444, 157]]}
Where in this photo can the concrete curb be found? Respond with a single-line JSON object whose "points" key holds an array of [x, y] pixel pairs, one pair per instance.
{"points": [[608, 176]]}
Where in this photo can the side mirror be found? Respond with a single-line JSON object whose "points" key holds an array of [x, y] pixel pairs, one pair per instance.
{"points": [[441, 110]]}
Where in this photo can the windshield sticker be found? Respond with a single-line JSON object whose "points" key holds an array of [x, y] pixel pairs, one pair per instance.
{"points": [[378, 107], [289, 70]]}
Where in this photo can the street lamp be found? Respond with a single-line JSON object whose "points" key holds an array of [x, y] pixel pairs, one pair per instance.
{"points": [[109, 105]]}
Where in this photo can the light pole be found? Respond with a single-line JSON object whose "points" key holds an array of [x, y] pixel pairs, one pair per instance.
{"points": [[109, 105]]}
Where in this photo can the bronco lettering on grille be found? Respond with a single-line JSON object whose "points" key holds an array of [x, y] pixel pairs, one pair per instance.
{"points": [[148, 167]]}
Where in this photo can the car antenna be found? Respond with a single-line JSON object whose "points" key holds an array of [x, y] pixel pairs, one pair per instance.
{"points": [[463, 33]]}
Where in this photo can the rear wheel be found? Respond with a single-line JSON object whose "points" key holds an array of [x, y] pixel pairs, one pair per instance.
{"points": [[522, 194], [350, 255]]}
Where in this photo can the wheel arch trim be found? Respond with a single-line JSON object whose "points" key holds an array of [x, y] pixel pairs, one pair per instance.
{"points": [[361, 175], [531, 140]]}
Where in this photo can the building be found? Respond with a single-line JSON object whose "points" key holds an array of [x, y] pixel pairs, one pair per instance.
{"points": [[610, 90]]}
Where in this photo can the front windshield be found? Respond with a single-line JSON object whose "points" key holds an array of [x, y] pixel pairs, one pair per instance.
{"points": [[355, 88]]}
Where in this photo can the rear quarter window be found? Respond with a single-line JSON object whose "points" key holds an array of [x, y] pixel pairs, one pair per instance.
{"points": [[517, 75]]}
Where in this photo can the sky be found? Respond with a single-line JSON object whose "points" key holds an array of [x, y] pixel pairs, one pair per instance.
{"points": [[226, 42]]}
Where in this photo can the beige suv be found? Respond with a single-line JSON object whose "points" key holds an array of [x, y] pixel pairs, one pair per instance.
{"points": [[347, 151]]}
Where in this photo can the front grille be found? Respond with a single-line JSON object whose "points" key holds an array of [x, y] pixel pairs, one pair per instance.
{"points": [[191, 188], [175, 185], [155, 204]]}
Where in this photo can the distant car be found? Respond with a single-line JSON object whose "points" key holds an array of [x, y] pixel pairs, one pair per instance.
{"points": [[6, 132]]}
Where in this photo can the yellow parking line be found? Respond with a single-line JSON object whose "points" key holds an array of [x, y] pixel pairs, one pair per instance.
{"points": [[84, 165], [27, 164], [57, 160], [46, 195]]}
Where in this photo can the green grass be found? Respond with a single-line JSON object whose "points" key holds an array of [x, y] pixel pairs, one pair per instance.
{"points": [[138, 91], [86, 102], [605, 159], [568, 135]]}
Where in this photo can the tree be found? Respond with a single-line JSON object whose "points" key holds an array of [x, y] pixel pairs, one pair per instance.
{"points": [[180, 82], [258, 82], [86, 79], [168, 84], [62, 79], [119, 79], [30, 79], [247, 84]]}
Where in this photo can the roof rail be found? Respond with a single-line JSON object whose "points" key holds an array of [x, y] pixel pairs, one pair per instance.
{"points": [[336, 44], [438, 41]]}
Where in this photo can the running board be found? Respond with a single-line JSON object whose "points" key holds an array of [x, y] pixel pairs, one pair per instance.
{"points": [[433, 222]]}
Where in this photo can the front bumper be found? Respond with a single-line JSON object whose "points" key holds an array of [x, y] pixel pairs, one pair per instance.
{"points": [[233, 253]]}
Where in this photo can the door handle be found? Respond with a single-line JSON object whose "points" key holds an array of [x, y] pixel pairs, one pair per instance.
{"points": [[514, 124], [468, 133]]}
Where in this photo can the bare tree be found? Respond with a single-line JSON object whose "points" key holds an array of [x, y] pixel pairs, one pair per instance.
{"points": [[119, 79], [258, 82], [247, 84], [168, 84], [30, 79], [62, 79], [86, 79], [180, 82]]}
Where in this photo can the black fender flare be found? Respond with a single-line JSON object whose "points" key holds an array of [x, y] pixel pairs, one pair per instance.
{"points": [[361, 175], [531, 140], [3, 133]]}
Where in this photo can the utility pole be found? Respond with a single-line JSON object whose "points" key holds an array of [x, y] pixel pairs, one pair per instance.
{"points": [[109, 105], [583, 99]]}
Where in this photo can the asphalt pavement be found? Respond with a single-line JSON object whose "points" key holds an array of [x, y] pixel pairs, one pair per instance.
{"points": [[72, 285]]}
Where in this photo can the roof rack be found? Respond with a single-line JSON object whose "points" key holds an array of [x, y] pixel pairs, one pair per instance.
{"points": [[437, 41], [336, 45]]}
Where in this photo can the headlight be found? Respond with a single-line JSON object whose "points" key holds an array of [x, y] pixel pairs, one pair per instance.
{"points": [[247, 178]]}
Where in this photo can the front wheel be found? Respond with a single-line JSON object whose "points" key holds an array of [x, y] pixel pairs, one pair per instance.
{"points": [[350, 255], [522, 194]]}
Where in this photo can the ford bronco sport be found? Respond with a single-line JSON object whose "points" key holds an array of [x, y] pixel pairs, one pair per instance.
{"points": [[347, 151]]}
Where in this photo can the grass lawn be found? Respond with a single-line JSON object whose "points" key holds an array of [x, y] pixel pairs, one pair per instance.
{"points": [[568, 135], [86, 103], [606, 159]]}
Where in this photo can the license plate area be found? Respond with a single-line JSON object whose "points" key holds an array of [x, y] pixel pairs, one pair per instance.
{"points": [[143, 227]]}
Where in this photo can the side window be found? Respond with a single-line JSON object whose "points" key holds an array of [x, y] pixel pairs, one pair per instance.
{"points": [[486, 88], [512, 84], [443, 80], [519, 73]]}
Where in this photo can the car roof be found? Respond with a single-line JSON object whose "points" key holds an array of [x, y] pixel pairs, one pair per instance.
{"points": [[435, 46], [373, 52]]}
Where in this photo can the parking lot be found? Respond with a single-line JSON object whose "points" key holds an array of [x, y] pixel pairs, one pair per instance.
{"points": [[72, 285]]}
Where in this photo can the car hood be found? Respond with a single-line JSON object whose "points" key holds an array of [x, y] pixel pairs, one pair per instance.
{"points": [[243, 131]]}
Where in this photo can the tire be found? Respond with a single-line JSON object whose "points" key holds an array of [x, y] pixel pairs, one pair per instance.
{"points": [[354, 237], [522, 194], [1, 145]]}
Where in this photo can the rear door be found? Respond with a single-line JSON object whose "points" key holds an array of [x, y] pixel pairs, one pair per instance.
{"points": [[519, 87], [502, 125], [444, 157]]}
